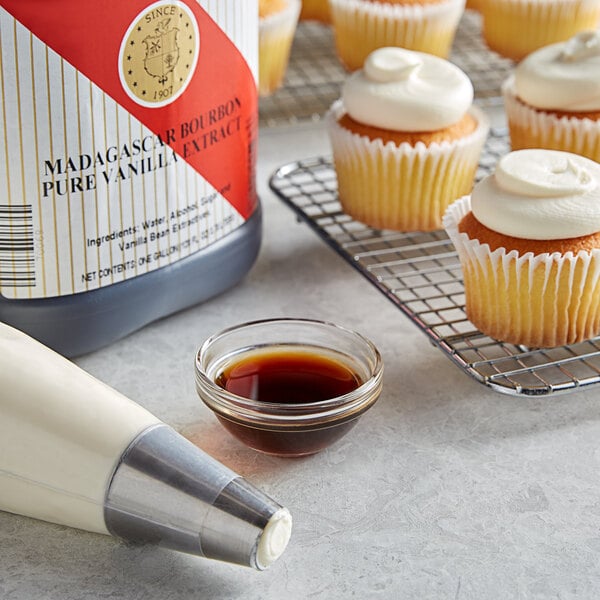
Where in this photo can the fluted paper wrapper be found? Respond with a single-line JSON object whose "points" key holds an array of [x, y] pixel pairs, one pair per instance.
{"points": [[515, 28], [406, 188], [531, 128], [276, 34], [360, 27], [537, 300]]}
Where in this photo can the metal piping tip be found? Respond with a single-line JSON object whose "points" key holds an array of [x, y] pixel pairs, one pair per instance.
{"points": [[167, 491]]}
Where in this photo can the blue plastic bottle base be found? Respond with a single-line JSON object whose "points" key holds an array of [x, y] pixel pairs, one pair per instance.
{"points": [[80, 323]]}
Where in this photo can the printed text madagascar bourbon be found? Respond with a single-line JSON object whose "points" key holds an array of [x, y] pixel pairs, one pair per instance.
{"points": [[138, 155]]}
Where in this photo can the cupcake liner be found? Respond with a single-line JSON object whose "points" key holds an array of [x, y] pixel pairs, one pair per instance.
{"points": [[537, 300], [404, 187], [276, 34], [515, 28], [360, 27], [532, 128]]}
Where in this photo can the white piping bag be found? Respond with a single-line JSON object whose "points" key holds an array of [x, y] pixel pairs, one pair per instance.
{"points": [[76, 452]]}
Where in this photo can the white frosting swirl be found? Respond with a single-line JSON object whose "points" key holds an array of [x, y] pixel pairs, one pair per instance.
{"points": [[563, 76], [540, 195], [402, 90]]}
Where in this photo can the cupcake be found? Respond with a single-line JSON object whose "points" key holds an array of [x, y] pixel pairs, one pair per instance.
{"points": [[553, 99], [361, 26], [315, 10], [473, 5], [277, 24], [515, 28], [528, 239], [406, 139]]}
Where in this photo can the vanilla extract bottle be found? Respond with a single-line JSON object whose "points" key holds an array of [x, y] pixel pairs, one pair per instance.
{"points": [[127, 174]]}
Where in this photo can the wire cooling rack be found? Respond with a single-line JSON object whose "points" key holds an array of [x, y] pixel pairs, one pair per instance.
{"points": [[315, 75], [421, 275], [418, 272]]}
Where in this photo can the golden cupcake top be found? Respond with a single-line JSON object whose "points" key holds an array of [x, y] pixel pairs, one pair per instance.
{"points": [[403, 90]]}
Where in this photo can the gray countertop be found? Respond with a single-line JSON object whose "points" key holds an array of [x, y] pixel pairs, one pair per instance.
{"points": [[445, 489]]}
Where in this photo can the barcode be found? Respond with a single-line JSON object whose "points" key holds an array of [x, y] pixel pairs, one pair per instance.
{"points": [[17, 264]]}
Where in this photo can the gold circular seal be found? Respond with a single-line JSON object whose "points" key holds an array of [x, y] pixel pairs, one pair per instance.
{"points": [[159, 53]]}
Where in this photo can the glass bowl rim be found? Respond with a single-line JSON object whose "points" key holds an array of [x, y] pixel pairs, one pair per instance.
{"points": [[227, 403]]}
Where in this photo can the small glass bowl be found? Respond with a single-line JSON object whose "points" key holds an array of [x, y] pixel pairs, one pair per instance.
{"points": [[284, 429]]}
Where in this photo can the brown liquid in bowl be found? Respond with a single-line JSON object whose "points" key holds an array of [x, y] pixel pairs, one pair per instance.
{"points": [[288, 377]]}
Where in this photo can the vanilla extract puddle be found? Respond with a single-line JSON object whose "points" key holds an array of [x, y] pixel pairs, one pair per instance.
{"points": [[282, 380], [288, 377]]}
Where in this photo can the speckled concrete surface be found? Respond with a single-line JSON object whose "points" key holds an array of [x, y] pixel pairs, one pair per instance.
{"points": [[444, 490]]}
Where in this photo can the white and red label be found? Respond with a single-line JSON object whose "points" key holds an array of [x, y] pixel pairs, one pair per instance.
{"points": [[127, 138]]}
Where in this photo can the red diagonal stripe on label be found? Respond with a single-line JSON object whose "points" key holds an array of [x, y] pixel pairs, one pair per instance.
{"points": [[88, 35]]}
